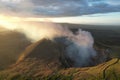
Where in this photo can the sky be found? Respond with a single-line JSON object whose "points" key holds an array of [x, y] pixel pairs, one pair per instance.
{"points": [[71, 11]]}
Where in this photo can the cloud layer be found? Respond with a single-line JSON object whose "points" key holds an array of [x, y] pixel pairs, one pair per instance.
{"points": [[58, 8]]}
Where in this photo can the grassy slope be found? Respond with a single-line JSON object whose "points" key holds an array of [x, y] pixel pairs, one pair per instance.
{"points": [[32, 67], [89, 73]]}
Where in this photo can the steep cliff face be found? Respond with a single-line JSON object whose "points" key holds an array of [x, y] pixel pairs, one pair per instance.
{"points": [[42, 57], [53, 55]]}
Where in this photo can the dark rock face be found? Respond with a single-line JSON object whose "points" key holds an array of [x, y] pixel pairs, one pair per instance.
{"points": [[50, 56], [103, 55], [47, 52]]}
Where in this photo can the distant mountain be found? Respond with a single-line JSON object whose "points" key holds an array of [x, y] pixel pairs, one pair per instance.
{"points": [[11, 45]]}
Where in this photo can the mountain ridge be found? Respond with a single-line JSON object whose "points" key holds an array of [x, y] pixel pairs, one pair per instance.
{"points": [[35, 65]]}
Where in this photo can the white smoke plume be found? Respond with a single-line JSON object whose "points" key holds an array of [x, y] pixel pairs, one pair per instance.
{"points": [[79, 48], [79, 45]]}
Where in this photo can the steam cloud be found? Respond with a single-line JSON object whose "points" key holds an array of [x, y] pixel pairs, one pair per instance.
{"points": [[79, 48], [79, 45]]}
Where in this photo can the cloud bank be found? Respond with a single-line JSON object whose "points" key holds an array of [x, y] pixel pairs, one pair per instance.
{"points": [[57, 8]]}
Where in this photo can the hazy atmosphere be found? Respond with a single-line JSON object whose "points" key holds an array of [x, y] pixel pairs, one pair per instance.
{"points": [[59, 39]]}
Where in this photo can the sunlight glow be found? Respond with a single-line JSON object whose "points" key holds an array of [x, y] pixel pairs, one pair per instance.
{"points": [[34, 31], [10, 22], [97, 19]]}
